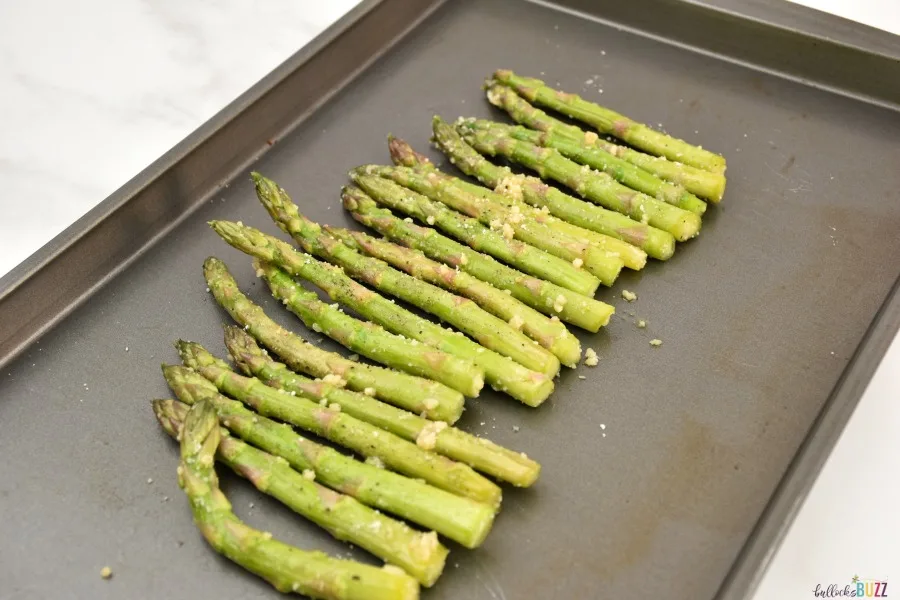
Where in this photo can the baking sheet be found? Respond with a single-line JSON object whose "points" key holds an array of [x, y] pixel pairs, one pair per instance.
{"points": [[657, 466]]}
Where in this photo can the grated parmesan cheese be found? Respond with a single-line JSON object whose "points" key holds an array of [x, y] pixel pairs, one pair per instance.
{"points": [[590, 358], [427, 437]]}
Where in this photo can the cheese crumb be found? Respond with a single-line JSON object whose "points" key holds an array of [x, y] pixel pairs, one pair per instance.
{"points": [[656, 343], [463, 259], [590, 138], [105, 572], [430, 403], [427, 437], [309, 474], [515, 429], [641, 324], [511, 187], [335, 380], [369, 391], [577, 263], [495, 224], [629, 296], [334, 407], [408, 220], [430, 220], [516, 322], [375, 462], [508, 232], [590, 358]]}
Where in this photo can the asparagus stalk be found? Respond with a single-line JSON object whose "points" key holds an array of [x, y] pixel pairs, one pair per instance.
{"points": [[544, 296], [527, 258], [597, 158], [421, 396], [610, 122], [461, 519], [510, 221], [479, 453], [552, 335], [655, 242], [697, 181], [287, 568], [419, 554], [502, 373], [532, 226], [463, 314], [370, 339], [345, 430], [596, 186]]}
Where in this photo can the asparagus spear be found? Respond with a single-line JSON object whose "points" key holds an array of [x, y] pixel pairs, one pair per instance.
{"points": [[480, 238], [622, 171], [421, 396], [370, 339], [542, 295], [479, 453], [508, 192], [343, 429], [502, 373], [461, 519], [287, 568], [509, 220], [552, 335], [610, 122], [697, 181], [598, 253], [463, 314], [419, 554], [596, 186], [657, 243]]}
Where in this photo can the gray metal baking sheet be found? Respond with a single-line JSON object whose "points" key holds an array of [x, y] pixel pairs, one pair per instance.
{"points": [[657, 466]]}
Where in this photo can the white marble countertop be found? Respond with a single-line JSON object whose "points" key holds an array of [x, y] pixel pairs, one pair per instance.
{"points": [[85, 105]]}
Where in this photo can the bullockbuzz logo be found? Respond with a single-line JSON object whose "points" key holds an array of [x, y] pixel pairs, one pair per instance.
{"points": [[857, 588]]}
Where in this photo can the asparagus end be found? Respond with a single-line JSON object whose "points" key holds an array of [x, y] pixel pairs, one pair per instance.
{"points": [[402, 154], [195, 356], [170, 415]]}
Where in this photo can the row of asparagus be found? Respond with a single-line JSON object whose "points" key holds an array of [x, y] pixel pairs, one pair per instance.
{"points": [[504, 266]]}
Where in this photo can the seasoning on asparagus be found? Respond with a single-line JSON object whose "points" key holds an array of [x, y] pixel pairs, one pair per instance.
{"points": [[610, 122], [506, 205], [416, 394], [526, 258], [550, 334], [346, 430], [597, 158], [657, 243], [370, 339], [462, 313], [419, 554], [287, 568], [461, 519], [544, 296], [596, 186], [502, 373], [511, 222], [697, 181], [479, 453]]}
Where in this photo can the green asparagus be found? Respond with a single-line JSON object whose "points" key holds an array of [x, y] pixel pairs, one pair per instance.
{"points": [[610, 122], [421, 396], [510, 221], [552, 335], [502, 373], [697, 181], [479, 453], [370, 339], [655, 242], [527, 258], [597, 186], [544, 296], [461, 519], [419, 554], [597, 158], [506, 204], [287, 568], [330, 423]]}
